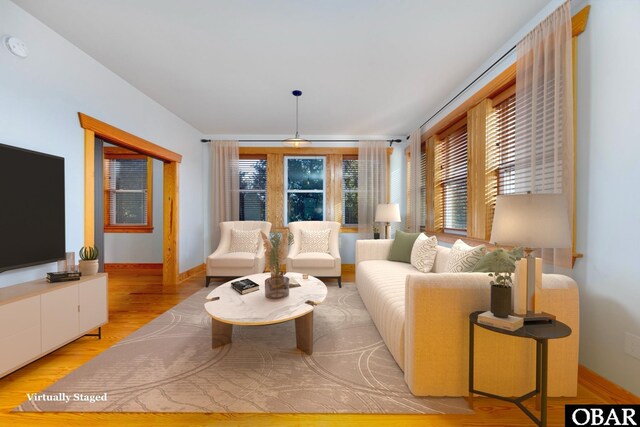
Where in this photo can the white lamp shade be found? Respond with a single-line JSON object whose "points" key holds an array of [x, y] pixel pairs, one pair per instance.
{"points": [[388, 212], [532, 221]]}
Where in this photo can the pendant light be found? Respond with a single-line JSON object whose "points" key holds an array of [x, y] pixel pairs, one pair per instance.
{"points": [[296, 142]]}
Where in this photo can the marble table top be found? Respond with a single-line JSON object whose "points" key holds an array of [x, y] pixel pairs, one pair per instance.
{"points": [[256, 309]]}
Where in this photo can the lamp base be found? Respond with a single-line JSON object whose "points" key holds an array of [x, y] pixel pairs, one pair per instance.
{"points": [[532, 317]]}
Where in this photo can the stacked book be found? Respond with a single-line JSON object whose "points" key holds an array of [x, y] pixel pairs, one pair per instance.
{"points": [[510, 323], [63, 276], [244, 286]]}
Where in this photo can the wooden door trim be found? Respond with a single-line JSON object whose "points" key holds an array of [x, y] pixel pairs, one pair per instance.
{"points": [[94, 127]]}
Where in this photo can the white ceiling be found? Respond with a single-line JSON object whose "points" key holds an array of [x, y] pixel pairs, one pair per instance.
{"points": [[366, 67]]}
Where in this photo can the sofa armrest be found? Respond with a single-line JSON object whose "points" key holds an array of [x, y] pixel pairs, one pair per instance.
{"points": [[559, 296], [436, 362], [372, 249], [437, 308]]}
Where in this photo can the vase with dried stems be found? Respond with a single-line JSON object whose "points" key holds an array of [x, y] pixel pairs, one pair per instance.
{"points": [[276, 286]]}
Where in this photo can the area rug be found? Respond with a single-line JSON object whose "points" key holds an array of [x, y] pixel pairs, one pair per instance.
{"points": [[168, 366]]}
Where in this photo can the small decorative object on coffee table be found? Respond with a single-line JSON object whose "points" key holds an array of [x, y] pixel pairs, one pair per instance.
{"points": [[541, 333], [500, 264], [277, 286]]}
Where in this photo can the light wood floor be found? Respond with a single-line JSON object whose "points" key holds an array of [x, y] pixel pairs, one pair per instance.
{"points": [[136, 298]]}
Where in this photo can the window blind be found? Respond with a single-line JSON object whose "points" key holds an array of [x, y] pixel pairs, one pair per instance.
{"points": [[538, 158], [350, 191], [423, 188], [253, 189], [128, 192], [451, 156], [500, 158]]}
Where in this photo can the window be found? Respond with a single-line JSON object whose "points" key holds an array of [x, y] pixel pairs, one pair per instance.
{"points": [[451, 156], [305, 189], [500, 160], [253, 189], [350, 190], [501, 132], [423, 188], [127, 191]]}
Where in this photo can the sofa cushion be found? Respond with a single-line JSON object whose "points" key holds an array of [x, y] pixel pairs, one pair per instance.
{"points": [[235, 259], [381, 285], [402, 245], [424, 251], [464, 257], [313, 259], [442, 258]]}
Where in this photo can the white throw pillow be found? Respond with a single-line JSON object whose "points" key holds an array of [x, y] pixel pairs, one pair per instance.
{"points": [[314, 241], [423, 253], [244, 240], [463, 257]]}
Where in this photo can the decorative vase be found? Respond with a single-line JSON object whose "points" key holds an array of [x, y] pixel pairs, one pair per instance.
{"points": [[376, 236], [276, 287], [501, 301], [88, 267]]}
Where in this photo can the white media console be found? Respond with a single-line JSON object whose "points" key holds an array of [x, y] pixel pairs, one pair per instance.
{"points": [[38, 317]]}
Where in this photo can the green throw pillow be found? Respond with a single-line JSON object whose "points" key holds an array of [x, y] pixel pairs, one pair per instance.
{"points": [[499, 261], [402, 245]]}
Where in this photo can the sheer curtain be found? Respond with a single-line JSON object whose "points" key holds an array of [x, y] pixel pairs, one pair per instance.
{"points": [[372, 182], [224, 185], [544, 115], [413, 207]]}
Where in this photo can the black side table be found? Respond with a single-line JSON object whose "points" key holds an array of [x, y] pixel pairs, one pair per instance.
{"points": [[541, 333]]}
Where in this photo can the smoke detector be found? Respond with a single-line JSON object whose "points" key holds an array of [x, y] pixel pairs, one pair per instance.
{"points": [[16, 46]]}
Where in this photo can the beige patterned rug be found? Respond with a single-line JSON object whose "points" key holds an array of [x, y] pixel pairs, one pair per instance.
{"points": [[168, 366]]}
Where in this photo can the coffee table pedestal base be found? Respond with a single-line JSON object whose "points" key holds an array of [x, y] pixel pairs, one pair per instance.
{"points": [[221, 333], [304, 333]]}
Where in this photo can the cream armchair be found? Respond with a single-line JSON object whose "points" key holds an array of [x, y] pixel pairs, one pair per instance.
{"points": [[319, 264], [223, 264]]}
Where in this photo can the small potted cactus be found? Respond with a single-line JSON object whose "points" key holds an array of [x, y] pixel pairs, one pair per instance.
{"points": [[88, 260]]}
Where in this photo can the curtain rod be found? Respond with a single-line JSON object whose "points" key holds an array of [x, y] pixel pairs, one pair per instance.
{"points": [[390, 141], [468, 86]]}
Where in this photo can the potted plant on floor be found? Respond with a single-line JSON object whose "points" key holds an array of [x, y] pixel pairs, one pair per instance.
{"points": [[500, 265], [276, 286], [88, 260]]}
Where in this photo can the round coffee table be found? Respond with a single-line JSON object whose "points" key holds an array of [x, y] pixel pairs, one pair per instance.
{"points": [[227, 308]]}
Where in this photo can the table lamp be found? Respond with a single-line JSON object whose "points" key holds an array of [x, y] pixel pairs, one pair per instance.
{"points": [[387, 213], [532, 221]]}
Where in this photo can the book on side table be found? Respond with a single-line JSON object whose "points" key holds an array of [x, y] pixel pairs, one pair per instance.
{"points": [[244, 286], [510, 323]]}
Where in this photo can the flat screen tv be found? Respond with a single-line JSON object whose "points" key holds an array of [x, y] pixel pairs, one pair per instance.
{"points": [[32, 215]]}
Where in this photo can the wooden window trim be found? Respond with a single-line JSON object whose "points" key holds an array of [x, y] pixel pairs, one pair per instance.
{"points": [[333, 179], [123, 153]]}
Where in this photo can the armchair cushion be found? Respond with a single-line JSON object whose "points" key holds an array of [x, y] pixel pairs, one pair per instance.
{"points": [[232, 259], [313, 259], [244, 241], [314, 241]]}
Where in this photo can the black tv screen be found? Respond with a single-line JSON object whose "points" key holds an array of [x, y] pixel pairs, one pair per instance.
{"points": [[32, 226]]}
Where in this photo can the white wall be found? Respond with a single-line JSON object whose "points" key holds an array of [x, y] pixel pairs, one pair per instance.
{"points": [[608, 206], [140, 247], [41, 96]]}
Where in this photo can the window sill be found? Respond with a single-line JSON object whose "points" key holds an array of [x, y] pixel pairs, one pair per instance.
{"points": [[128, 229]]}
